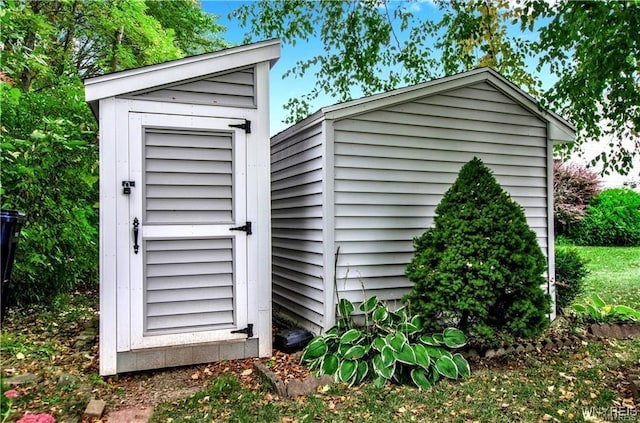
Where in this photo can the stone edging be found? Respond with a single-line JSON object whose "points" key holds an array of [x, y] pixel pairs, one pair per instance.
{"points": [[596, 331], [292, 388]]}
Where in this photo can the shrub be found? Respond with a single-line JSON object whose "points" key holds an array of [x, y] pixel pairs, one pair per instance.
{"points": [[613, 219], [480, 267], [50, 171], [570, 273], [573, 187], [390, 346]]}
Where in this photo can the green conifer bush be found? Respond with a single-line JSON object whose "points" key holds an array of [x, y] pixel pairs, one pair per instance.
{"points": [[480, 267]]}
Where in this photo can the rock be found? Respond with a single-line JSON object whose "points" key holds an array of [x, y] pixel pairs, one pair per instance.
{"points": [[549, 345], [131, 415], [490, 353], [66, 379], [500, 352], [520, 349], [296, 388], [276, 383], [472, 354], [24, 379], [325, 380], [529, 347], [94, 409]]}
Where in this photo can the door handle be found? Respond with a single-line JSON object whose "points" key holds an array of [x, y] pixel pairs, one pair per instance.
{"points": [[136, 225]]}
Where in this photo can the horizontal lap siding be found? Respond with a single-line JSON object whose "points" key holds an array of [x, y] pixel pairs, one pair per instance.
{"points": [[189, 284], [235, 88], [297, 223], [393, 165]]}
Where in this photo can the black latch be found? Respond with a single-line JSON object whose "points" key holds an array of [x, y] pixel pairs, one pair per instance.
{"points": [[246, 126], [248, 330], [127, 185], [246, 228]]}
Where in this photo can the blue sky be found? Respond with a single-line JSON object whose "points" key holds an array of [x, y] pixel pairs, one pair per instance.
{"points": [[283, 90]]}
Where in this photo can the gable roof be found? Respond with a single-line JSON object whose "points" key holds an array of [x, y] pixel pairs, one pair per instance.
{"points": [[560, 130], [184, 69]]}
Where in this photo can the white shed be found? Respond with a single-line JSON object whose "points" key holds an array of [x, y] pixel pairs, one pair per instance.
{"points": [[185, 265], [352, 184]]}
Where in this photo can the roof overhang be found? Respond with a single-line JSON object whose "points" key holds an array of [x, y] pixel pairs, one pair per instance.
{"points": [[188, 68]]}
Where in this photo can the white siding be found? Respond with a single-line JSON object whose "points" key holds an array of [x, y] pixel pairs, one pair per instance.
{"points": [[393, 165], [189, 284], [234, 88], [297, 222], [188, 177]]}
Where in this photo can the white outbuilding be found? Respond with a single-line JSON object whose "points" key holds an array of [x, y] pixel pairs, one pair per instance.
{"points": [[354, 183], [185, 247]]}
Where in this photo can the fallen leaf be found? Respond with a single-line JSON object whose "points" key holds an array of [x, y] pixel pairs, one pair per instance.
{"points": [[20, 356], [546, 417], [195, 376], [247, 372]]}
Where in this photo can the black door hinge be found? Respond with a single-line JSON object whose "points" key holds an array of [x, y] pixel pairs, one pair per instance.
{"points": [[246, 228], [246, 126], [248, 330]]}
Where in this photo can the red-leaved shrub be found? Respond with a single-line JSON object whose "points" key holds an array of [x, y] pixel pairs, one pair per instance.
{"points": [[573, 187]]}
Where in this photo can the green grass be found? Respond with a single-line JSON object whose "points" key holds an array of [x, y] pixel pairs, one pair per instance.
{"points": [[556, 387], [614, 274]]}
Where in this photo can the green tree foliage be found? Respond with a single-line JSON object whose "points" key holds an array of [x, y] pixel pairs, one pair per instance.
{"points": [[480, 267], [49, 146], [594, 49], [371, 46], [612, 220]]}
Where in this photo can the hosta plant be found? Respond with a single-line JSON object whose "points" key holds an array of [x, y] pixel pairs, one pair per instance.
{"points": [[596, 309], [388, 346]]}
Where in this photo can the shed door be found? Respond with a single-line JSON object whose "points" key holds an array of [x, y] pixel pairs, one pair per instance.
{"points": [[188, 275]]}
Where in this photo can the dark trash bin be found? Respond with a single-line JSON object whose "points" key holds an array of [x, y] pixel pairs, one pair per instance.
{"points": [[11, 222]]}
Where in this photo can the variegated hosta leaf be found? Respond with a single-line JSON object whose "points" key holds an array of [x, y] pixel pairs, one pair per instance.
{"points": [[447, 367], [369, 305], [454, 338], [345, 307], [420, 378], [347, 370], [350, 336], [406, 355], [462, 364], [315, 349], [422, 356], [330, 364]]}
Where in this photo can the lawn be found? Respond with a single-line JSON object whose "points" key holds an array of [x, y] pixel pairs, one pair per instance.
{"points": [[536, 387], [614, 274]]}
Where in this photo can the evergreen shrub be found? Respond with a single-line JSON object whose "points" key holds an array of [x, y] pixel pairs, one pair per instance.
{"points": [[480, 267], [612, 220], [570, 273]]}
